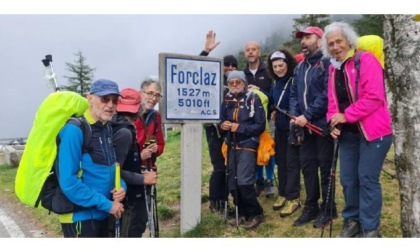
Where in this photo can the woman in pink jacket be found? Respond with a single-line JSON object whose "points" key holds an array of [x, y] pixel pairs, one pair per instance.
{"points": [[359, 117]]}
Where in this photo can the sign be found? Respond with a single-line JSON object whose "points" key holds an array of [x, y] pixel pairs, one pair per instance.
{"points": [[192, 88]]}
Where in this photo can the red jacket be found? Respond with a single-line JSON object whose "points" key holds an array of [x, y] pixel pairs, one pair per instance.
{"points": [[153, 127]]}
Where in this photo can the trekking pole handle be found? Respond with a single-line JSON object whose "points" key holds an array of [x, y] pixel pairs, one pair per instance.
{"points": [[117, 176], [48, 65], [117, 187]]}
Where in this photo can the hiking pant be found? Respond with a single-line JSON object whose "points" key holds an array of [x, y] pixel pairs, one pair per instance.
{"points": [[217, 185], [86, 229], [288, 166], [360, 169], [242, 188], [316, 151], [134, 218], [269, 170]]}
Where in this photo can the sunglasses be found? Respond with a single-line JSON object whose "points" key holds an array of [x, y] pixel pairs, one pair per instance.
{"points": [[105, 99], [230, 64], [235, 82]]}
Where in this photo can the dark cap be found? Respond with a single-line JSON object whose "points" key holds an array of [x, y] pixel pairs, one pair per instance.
{"points": [[104, 87], [230, 59]]}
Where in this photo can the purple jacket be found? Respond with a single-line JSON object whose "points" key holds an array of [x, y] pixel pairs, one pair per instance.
{"points": [[370, 111]]}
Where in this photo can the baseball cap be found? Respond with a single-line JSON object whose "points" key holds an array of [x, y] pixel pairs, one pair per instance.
{"points": [[310, 30], [129, 101], [104, 87]]}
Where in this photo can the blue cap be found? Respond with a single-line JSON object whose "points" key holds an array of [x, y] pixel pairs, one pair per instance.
{"points": [[104, 87]]}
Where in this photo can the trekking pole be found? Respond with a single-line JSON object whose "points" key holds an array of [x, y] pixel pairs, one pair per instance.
{"points": [[155, 212], [226, 181], [236, 181], [317, 130], [117, 187], [331, 189], [148, 199], [50, 75]]}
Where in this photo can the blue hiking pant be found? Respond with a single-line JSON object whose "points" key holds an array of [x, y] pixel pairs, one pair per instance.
{"points": [[269, 170], [360, 169]]}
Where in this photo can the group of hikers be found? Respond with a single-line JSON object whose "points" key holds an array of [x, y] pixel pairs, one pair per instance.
{"points": [[313, 106], [333, 97], [126, 130]]}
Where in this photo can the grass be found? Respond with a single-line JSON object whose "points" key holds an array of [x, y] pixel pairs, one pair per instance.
{"points": [[212, 225]]}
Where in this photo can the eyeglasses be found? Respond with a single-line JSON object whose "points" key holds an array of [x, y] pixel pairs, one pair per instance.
{"points": [[105, 99], [235, 82], [151, 95], [226, 64]]}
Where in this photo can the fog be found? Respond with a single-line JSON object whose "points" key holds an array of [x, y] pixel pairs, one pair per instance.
{"points": [[122, 48]]}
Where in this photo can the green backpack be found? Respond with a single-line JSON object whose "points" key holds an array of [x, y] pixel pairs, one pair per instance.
{"points": [[37, 165]]}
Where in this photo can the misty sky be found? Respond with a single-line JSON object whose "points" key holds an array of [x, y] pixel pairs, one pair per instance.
{"points": [[122, 48]]}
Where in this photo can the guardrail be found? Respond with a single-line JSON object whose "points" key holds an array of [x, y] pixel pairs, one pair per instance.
{"points": [[13, 141]]}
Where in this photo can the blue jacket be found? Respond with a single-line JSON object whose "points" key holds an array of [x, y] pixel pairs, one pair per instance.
{"points": [[251, 124], [87, 179], [282, 120], [308, 94]]}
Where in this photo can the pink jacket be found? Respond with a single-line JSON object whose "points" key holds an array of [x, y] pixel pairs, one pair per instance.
{"points": [[371, 109]]}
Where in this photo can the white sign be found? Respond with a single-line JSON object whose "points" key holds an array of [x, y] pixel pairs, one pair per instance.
{"points": [[192, 88]]}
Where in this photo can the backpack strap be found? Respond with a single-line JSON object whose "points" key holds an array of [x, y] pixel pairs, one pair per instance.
{"points": [[86, 131], [357, 56], [357, 66]]}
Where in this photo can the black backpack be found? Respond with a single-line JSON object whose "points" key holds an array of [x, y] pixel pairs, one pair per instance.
{"points": [[51, 196]]}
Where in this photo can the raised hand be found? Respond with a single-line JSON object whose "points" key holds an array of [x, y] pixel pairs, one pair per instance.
{"points": [[210, 41]]}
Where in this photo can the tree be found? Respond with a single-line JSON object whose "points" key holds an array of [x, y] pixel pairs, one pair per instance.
{"points": [[83, 75], [320, 20], [402, 57], [370, 24]]}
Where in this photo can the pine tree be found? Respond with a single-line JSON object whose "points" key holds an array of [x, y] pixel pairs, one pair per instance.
{"points": [[82, 75], [370, 24]]}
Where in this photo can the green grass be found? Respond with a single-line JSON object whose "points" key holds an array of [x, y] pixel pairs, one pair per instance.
{"points": [[212, 225]]}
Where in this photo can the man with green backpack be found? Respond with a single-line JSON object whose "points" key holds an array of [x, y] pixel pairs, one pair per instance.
{"points": [[87, 177]]}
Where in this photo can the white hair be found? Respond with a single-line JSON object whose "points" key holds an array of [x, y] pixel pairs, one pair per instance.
{"points": [[346, 30]]}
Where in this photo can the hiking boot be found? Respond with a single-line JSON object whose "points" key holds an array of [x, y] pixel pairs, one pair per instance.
{"points": [[376, 233], [308, 214], [350, 229], [281, 201], [259, 187], [254, 222], [324, 219], [269, 189], [232, 221], [290, 207]]}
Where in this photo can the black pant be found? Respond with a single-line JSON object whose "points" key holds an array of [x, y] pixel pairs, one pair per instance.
{"points": [[134, 218], [288, 166], [316, 151], [217, 185], [86, 229]]}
